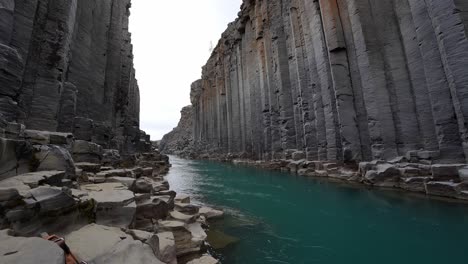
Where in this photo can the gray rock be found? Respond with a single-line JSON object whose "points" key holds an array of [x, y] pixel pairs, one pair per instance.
{"points": [[88, 167], [210, 213], [53, 157], [115, 204], [446, 171], [84, 151], [29, 250], [34, 179], [167, 247]]}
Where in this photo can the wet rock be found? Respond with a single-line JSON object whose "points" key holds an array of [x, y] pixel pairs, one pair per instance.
{"points": [[386, 175], [186, 208], [188, 239], [210, 213], [182, 198], [442, 188], [52, 199]]}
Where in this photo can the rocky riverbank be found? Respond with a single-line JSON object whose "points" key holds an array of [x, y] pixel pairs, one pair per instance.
{"points": [[109, 208], [417, 172]]}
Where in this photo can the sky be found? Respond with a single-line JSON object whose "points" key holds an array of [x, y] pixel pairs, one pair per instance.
{"points": [[171, 42]]}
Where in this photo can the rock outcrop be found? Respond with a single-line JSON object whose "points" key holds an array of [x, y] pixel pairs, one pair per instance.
{"points": [[67, 66], [337, 80], [180, 140]]}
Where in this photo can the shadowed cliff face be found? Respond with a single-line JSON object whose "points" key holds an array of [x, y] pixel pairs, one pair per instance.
{"points": [[180, 140], [338, 80], [68, 66]]}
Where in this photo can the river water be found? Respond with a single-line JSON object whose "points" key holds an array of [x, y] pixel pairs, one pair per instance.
{"points": [[282, 218]]}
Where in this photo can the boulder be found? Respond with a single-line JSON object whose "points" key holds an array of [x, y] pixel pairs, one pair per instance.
{"points": [[111, 157], [115, 204], [206, 259], [210, 213], [53, 157], [182, 198], [415, 184], [442, 188], [186, 208], [150, 239], [187, 241], [52, 199], [85, 151], [29, 250], [175, 215], [152, 208], [89, 167], [446, 171], [143, 185], [385, 175], [167, 247]]}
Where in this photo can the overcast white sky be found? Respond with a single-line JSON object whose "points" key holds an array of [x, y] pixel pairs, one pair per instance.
{"points": [[171, 42]]}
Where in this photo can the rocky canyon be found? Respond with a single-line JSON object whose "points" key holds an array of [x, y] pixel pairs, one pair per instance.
{"points": [[368, 91], [73, 160]]}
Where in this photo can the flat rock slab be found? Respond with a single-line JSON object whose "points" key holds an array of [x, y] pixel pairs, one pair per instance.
{"points": [[52, 199], [210, 213], [116, 172], [115, 204], [182, 217], [29, 250], [34, 179], [99, 244]]}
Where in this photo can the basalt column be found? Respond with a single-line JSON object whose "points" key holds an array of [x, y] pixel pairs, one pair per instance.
{"points": [[67, 66], [337, 80]]}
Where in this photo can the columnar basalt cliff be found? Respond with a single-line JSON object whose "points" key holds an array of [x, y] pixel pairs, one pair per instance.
{"points": [[374, 92], [339, 80], [67, 66], [73, 161], [180, 140]]}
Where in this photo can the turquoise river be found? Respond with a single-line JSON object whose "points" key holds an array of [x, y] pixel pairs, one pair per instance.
{"points": [[281, 218]]}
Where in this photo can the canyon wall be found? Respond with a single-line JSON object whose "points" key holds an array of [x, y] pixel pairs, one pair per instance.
{"points": [[338, 80], [180, 140], [67, 66]]}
